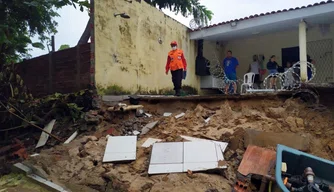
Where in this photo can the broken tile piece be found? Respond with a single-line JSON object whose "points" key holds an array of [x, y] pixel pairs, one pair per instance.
{"points": [[150, 141], [148, 115], [148, 127], [179, 115], [44, 136], [120, 148], [71, 137], [135, 132], [46, 183], [167, 114]]}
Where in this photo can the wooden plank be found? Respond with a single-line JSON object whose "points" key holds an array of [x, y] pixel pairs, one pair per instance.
{"points": [[50, 72], [78, 66]]}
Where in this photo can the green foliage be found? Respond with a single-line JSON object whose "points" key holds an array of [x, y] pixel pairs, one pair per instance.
{"points": [[112, 90], [20, 20], [185, 7], [62, 47]]}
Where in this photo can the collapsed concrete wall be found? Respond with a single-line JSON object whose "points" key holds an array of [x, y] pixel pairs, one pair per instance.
{"points": [[131, 54]]}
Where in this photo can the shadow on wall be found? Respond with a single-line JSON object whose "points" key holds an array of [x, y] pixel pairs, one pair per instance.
{"points": [[118, 90]]}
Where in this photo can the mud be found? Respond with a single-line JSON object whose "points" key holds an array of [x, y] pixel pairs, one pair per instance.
{"points": [[78, 166]]}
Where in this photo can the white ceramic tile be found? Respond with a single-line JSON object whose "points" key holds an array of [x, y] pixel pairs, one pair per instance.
{"points": [[219, 153], [165, 168], [167, 153], [120, 148], [195, 152], [176, 157], [200, 166], [223, 145]]}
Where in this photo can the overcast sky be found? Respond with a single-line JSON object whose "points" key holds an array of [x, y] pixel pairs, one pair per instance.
{"points": [[72, 22]]}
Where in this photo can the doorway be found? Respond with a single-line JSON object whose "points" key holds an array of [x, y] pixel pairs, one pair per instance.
{"points": [[290, 54]]}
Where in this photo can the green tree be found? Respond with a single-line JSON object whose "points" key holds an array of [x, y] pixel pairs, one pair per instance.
{"points": [[186, 7], [20, 20], [62, 47]]}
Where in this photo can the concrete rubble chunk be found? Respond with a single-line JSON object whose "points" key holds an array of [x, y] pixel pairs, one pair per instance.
{"points": [[120, 148], [148, 127], [44, 136], [271, 139]]}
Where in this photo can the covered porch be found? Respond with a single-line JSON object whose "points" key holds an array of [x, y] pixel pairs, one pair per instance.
{"points": [[291, 35]]}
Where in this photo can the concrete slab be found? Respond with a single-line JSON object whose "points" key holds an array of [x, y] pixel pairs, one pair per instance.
{"points": [[148, 127], [271, 139], [120, 148]]}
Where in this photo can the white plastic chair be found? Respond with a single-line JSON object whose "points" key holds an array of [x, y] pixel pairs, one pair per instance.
{"points": [[248, 81]]}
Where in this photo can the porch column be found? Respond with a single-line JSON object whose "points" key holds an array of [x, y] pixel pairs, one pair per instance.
{"points": [[302, 51]]}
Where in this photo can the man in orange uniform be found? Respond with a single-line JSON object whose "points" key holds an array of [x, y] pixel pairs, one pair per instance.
{"points": [[177, 64]]}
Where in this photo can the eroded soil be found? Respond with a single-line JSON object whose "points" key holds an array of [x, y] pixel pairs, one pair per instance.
{"points": [[78, 166]]}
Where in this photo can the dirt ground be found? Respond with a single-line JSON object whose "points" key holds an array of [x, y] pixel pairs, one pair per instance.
{"points": [[78, 165]]}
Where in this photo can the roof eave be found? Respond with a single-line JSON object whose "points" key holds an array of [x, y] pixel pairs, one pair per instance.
{"points": [[263, 20]]}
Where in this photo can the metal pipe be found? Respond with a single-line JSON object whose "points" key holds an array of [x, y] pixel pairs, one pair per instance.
{"points": [[303, 51]]}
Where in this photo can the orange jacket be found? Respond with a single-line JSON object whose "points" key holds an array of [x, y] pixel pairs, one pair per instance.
{"points": [[176, 60]]}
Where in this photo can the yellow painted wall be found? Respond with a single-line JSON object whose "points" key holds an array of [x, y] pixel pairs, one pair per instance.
{"points": [[271, 44], [140, 58]]}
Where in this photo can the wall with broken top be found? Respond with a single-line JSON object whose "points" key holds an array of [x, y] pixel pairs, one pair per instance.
{"points": [[128, 52]]}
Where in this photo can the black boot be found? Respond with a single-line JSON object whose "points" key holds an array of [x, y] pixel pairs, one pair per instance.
{"points": [[177, 92]]}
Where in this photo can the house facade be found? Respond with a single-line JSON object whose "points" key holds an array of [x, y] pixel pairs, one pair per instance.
{"points": [[278, 33], [131, 53]]}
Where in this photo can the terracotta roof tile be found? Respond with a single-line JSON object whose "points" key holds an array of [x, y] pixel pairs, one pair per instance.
{"points": [[268, 13]]}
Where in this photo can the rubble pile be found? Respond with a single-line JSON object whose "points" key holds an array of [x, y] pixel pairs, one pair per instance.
{"points": [[78, 166]]}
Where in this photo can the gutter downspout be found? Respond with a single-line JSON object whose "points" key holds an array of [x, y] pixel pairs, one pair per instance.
{"points": [[303, 51]]}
